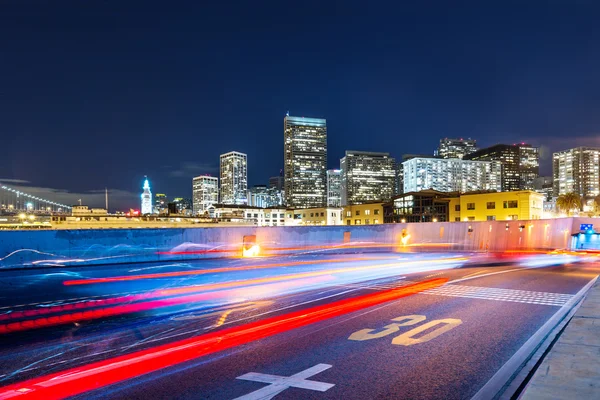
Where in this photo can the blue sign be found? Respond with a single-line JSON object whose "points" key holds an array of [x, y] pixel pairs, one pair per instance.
{"points": [[587, 228]]}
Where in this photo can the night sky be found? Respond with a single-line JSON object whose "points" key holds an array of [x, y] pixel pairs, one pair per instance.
{"points": [[97, 94]]}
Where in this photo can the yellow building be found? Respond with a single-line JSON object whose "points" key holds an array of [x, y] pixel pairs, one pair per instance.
{"points": [[497, 206], [363, 214], [314, 216]]}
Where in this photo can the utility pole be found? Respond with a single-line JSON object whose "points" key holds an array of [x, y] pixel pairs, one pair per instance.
{"points": [[106, 198]]}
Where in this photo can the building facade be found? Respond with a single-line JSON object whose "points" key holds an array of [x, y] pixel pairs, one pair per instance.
{"points": [[456, 148], [502, 206], [423, 206], [314, 216], [334, 187], [367, 176], [520, 164], [577, 170], [205, 192], [234, 178], [436, 206], [160, 203], [146, 206], [305, 158], [276, 182], [363, 214], [544, 185], [263, 196], [451, 175]]}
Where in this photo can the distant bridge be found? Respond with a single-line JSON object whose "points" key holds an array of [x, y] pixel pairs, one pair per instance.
{"points": [[13, 200]]}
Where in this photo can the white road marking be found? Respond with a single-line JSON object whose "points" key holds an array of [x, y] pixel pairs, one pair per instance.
{"points": [[278, 384], [511, 295]]}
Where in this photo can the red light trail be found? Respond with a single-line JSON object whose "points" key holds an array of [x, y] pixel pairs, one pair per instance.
{"points": [[103, 373]]}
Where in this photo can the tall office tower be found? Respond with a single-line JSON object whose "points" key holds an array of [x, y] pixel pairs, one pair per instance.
{"points": [[205, 193], [367, 176], [234, 178], [520, 164], [305, 157], [577, 170], [146, 198], [334, 188], [160, 203], [451, 175], [456, 148]]}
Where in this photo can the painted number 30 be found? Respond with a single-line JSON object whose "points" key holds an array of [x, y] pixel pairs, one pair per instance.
{"points": [[408, 338]]}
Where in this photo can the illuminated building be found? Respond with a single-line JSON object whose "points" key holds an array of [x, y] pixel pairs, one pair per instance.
{"points": [[314, 216], [234, 178], [436, 206], [422, 206], [501, 206], [305, 157], [160, 203], [183, 206], [248, 215], [367, 176], [544, 185], [334, 187], [263, 196], [451, 175], [146, 198], [520, 164], [456, 148], [205, 192], [370, 213], [577, 170]]}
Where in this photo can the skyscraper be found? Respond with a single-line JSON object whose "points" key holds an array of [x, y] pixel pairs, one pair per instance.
{"points": [[305, 157], [146, 198], [334, 188], [367, 176], [577, 170], [456, 148], [234, 178], [520, 164], [205, 193], [160, 203], [451, 175]]}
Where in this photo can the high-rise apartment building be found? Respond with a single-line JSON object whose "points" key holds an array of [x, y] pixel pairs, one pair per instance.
{"points": [[451, 175], [520, 164], [305, 157], [367, 176], [205, 193], [456, 148], [334, 188], [234, 178], [577, 170], [146, 198]]}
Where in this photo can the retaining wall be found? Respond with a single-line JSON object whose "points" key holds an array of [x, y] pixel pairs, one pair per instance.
{"points": [[106, 246]]}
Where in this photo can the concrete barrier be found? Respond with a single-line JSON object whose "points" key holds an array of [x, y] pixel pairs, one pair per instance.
{"points": [[107, 246]]}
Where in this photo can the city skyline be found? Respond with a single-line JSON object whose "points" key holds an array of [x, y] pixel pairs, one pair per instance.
{"points": [[394, 83]]}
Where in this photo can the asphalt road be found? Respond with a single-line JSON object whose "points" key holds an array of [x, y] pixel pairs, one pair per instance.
{"points": [[457, 332]]}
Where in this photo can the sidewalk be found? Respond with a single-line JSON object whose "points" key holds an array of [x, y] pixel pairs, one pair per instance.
{"points": [[571, 370]]}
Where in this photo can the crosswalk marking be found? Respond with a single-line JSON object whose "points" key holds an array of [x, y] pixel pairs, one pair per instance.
{"points": [[478, 292], [511, 295]]}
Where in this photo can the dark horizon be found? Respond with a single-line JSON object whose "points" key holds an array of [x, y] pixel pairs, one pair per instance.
{"points": [[99, 95]]}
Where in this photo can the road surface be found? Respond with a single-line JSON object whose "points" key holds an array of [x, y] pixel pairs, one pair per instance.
{"points": [[362, 326]]}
